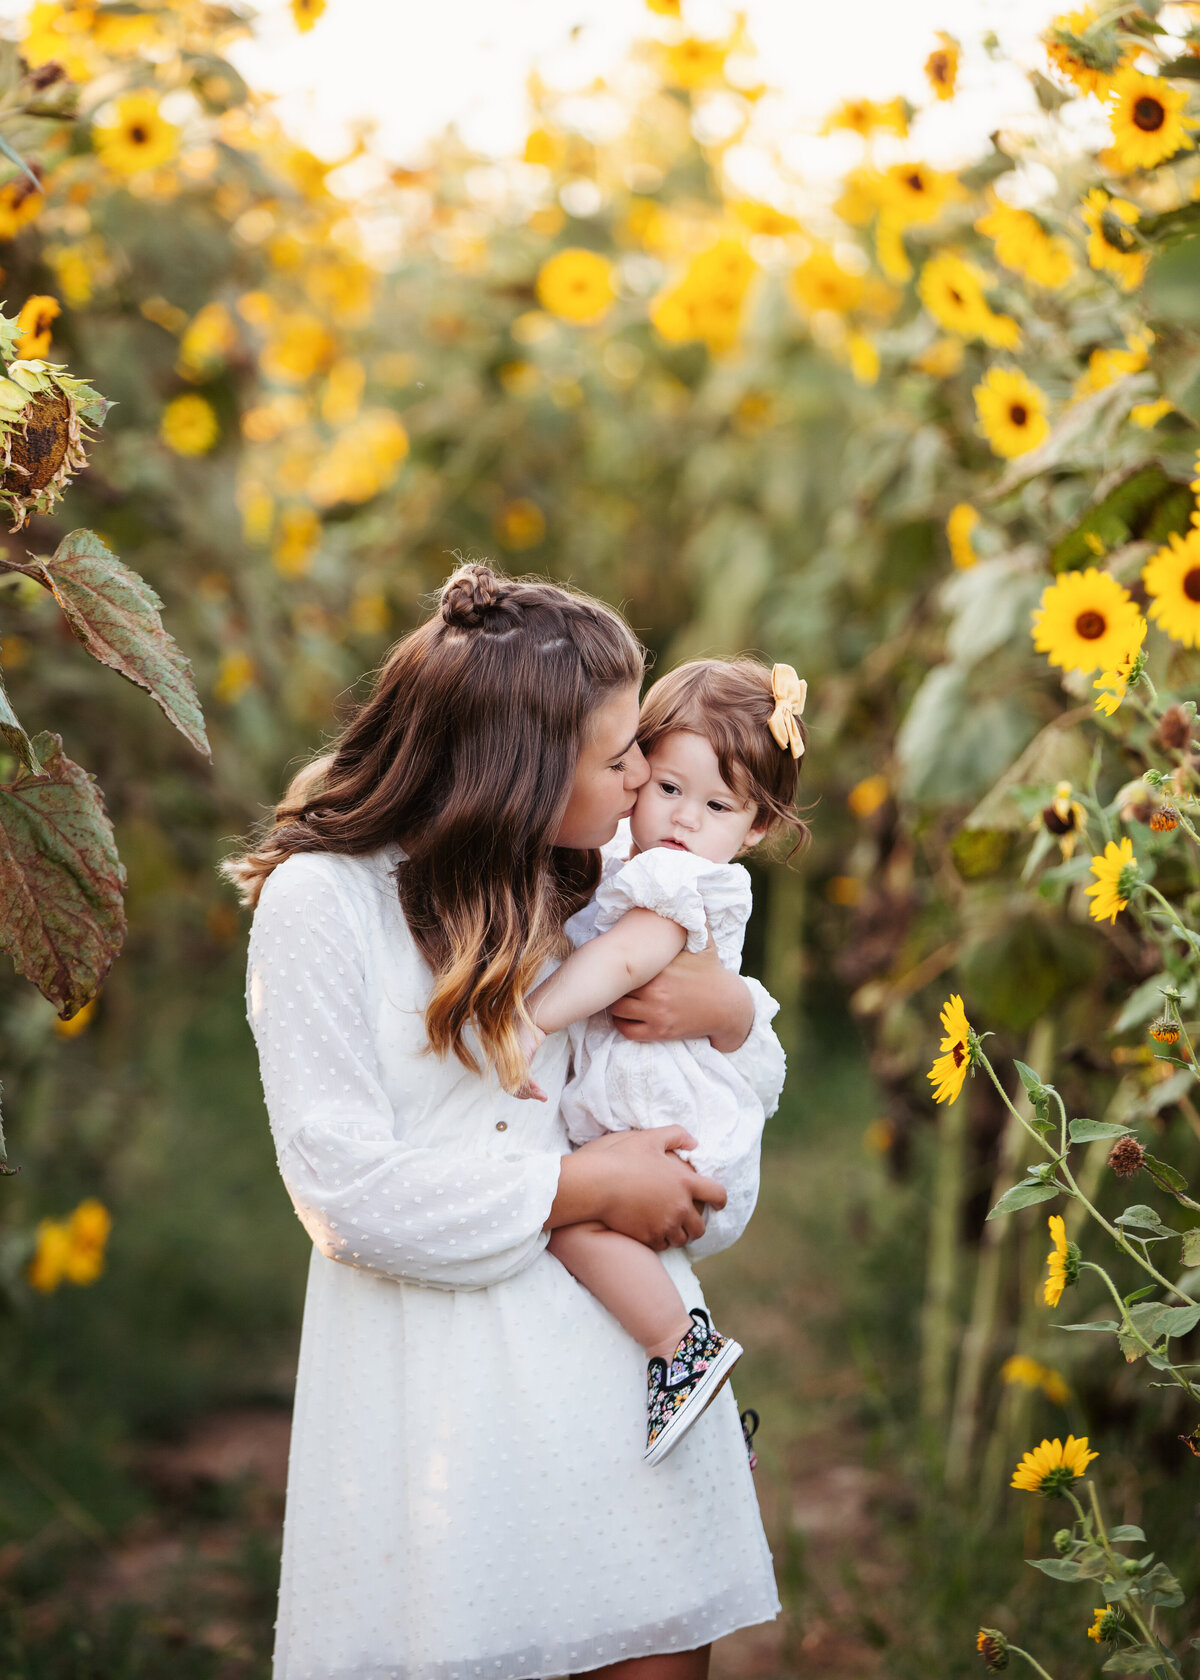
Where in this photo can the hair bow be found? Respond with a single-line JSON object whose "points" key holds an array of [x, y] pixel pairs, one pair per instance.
{"points": [[790, 693]]}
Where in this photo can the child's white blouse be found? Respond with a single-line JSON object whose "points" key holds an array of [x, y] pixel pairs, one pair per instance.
{"points": [[618, 1084], [466, 1494]]}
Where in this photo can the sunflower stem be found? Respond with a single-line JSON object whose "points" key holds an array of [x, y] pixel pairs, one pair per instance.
{"points": [[1131, 1329], [1032, 1661], [1115, 1562]]}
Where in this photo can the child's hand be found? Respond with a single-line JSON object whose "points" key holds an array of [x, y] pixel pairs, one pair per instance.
{"points": [[530, 1037]]}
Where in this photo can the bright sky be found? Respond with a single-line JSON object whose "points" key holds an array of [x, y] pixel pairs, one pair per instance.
{"points": [[414, 67]]}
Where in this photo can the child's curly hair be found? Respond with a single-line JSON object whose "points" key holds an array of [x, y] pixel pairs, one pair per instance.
{"points": [[728, 702]]}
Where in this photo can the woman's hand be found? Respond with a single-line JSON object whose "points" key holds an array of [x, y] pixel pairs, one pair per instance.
{"points": [[693, 997], [636, 1184]]}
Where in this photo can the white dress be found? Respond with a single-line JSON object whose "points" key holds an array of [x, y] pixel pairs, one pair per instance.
{"points": [[466, 1495], [618, 1085]]}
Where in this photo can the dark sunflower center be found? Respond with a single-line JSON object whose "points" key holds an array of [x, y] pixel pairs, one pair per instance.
{"points": [[955, 297], [138, 135], [916, 181], [1191, 584], [959, 1053], [1018, 414], [939, 67], [1090, 625], [1148, 114]]}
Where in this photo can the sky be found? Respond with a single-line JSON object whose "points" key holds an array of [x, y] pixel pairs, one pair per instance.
{"points": [[415, 67]]}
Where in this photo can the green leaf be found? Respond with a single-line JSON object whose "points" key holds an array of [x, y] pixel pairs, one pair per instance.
{"points": [[1087, 1131], [1126, 1531], [62, 919], [114, 613], [1167, 1176], [1142, 1218], [1059, 1569], [1122, 514], [1135, 1659], [1139, 1294], [1159, 1586], [1108, 1324], [1191, 1247], [1177, 1321], [1186, 68], [14, 734], [1023, 1195], [15, 157], [1115, 1591]]}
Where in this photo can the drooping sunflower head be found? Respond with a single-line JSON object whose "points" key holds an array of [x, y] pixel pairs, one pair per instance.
{"points": [[1172, 579], [1106, 1624], [1112, 242], [1084, 54], [1147, 118], [1064, 818], [960, 1046], [1012, 412], [993, 1648], [1116, 879], [1053, 1466], [1062, 1262], [1085, 621]]}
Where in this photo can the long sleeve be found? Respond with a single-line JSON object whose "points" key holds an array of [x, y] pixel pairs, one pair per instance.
{"points": [[365, 1196]]}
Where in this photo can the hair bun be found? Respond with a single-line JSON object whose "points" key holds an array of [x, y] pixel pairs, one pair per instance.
{"points": [[472, 591]]}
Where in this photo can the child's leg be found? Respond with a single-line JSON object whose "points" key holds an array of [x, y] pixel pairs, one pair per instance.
{"points": [[629, 1279]]}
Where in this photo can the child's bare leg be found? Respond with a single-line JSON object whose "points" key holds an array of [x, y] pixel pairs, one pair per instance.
{"points": [[629, 1279]]}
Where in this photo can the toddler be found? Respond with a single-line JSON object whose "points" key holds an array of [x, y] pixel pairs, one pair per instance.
{"points": [[723, 740]]}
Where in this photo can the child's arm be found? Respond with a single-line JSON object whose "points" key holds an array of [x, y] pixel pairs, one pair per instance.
{"points": [[637, 948]]}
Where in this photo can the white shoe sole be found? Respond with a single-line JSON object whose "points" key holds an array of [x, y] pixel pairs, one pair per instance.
{"points": [[700, 1399]]}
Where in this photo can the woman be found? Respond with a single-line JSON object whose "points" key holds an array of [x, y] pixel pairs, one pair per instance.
{"points": [[466, 1494]]}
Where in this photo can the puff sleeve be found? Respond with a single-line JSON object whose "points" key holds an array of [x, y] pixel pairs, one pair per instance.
{"points": [[661, 880], [366, 1197]]}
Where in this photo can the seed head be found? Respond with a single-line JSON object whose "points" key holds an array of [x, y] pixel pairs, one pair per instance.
{"points": [[1175, 728], [993, 1648], [1165, 1030], [1127, 1157], [1164, 819]]}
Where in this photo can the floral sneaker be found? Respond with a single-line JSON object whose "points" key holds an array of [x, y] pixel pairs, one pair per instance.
{"points": [[676, 1395]]}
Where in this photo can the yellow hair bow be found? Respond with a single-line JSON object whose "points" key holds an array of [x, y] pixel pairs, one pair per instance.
{"points": [[790, 693]]}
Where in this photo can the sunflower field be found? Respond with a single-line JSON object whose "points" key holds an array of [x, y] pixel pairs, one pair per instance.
{"points": [[931, 437]]}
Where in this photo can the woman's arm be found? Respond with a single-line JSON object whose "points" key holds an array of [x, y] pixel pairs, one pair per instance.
{"points": [[640, 946], [636, 1184]]}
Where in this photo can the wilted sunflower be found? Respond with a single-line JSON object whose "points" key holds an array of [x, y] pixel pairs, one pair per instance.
{"points": [[1053, 1466], [1085, 621], [1112, 244], [958, 1053], [1022, 244], [1146, 115], [35, 323], [1062, 1260], [941, 67], [952, 291], [1012, 412], [1085, 55], [1165, 820], [993, 1648], [960, 523], [138, 137], [1114, 683], [576, 285], [1172, 579], [1116, 875]]}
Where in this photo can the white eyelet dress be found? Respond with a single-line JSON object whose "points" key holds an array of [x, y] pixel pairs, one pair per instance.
{"points": [[466, 1495]]}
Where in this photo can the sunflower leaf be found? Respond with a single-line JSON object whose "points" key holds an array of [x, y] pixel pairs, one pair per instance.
{"points": [[1191, 1247], [1126, 1531], [1142, 1218], [1087, 1131], [1137, 1659], [1103, 1324], [1023, 1195], [1167, 1176], [1058, 1569], [1177, 1321], [1159, 1586]]}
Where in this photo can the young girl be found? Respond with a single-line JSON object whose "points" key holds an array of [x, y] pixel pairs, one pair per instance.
{"points": [[723, 741]]}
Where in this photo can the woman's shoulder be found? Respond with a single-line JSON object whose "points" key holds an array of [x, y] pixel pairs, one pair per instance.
{"points": [[330, 884]]}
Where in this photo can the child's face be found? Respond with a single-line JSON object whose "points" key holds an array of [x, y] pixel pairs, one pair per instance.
{"points": [[687, 805]]}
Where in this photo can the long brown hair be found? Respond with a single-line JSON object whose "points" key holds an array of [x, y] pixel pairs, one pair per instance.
{"points": [[465, 754]]}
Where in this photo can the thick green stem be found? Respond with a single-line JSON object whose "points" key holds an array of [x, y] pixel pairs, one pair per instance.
{"points": [[1033, 1663]]}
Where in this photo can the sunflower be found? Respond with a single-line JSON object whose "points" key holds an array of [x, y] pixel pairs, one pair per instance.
{"points": [[305, 13], [35, 324], [71, 1250], [1012, 412], [188, 425], [1111, 243], [1106, 1624], [865, 797], [820, 282], [694, 64], [960, 523], [1083, 54], [1053, 1466], [1146, 116], [942, 360], [138, 137], [1018, 1368], [1063, 1261], [1064, 818], [952, 291], [913, 192], [1172, 579], [1114, 683], [1106, 366], [993, 1648], [864, 116], [941, 67], [576, 285], [1148, 414], [1085, 621], [1116, 877], [958, 1052], [1022, 244]]}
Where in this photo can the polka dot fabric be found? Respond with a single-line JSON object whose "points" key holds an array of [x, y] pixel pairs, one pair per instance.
{"points": [[466, 1495]]}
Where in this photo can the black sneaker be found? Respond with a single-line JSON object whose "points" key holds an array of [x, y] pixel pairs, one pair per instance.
{"points": [[677, 1395]]}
